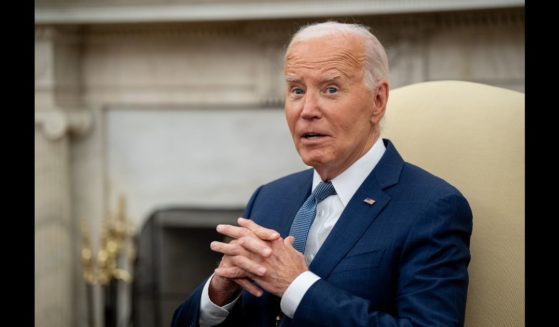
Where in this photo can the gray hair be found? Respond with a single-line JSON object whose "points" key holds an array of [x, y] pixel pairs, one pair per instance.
{"points": [[376, 60]]}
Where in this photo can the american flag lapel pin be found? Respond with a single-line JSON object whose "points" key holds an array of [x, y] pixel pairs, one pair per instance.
{"points": [[369, 201]]}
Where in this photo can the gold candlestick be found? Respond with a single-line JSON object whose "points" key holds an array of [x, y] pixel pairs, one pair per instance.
{"points": [[102, 268]]}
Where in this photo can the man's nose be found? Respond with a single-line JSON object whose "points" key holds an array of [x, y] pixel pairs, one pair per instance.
{"points": [[311, 106]]}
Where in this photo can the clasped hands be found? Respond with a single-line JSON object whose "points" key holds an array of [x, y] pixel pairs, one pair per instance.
{"points": [[256, 258]]}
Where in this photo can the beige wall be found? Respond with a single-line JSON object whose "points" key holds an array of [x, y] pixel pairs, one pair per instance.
{"points": [[84, 73]]}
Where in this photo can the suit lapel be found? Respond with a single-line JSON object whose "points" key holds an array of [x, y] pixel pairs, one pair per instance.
{"points": [[359, 215], [351, 225]]}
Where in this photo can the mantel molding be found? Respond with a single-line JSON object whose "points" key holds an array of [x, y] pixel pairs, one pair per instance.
{"points": [[278, 31], [55, 124], [90, 13]]}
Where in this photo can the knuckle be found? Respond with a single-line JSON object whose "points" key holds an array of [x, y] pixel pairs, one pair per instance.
{"points": [[239, 261]]}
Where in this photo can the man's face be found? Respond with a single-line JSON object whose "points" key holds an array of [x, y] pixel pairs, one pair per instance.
{"points": [[331, 113]]}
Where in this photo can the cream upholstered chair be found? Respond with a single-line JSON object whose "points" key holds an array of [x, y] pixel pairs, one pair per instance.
{"points": [[472, 135]]}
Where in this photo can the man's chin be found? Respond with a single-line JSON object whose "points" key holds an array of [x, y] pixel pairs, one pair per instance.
{"points": [[313, 161]]}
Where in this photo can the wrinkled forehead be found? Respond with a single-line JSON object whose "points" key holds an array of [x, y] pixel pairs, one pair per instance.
{"points": [[344, 53]]}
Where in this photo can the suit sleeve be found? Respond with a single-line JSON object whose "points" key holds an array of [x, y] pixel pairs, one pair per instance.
{"points": [[432, 282], [188, 313]]}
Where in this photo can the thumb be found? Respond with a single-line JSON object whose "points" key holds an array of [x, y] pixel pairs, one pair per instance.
{"points": [[288, 241]]}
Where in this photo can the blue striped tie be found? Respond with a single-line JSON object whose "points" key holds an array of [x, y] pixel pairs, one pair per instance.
{"points": [[305, 216]]}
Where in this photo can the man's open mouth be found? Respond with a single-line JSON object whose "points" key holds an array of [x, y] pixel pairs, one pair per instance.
{"points": [[310, 136]]}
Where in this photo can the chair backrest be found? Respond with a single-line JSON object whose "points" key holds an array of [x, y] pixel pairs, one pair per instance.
{"points": [[472, 135]]}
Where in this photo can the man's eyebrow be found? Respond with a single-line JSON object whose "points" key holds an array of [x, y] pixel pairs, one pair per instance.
{"points": [[292, 79], [332, 78], [327, 79]]}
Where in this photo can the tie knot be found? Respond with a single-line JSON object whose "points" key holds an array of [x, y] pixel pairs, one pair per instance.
{"points": [[323, 190]]}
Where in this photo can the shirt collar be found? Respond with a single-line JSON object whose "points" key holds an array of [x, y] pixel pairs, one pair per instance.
{"points": [[347, 183]]}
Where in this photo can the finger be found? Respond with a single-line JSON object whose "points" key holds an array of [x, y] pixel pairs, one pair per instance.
{"points": [[248, 265], [232, 231], [262, 232], [289, 241], [249, 286], [231, 249], [230, 272], [255, 245]]}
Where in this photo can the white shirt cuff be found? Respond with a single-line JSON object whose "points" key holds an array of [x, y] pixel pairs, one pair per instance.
{"points": [[295, 292], [210, 313]]}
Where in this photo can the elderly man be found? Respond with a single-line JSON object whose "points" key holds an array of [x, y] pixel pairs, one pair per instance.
{"points": [[363, 238]]}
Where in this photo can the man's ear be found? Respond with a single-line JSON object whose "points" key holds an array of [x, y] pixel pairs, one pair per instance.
{"points": [[379, 101]]}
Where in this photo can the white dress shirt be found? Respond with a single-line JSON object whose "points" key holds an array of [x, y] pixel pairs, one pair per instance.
{"points": [[328, 212]]}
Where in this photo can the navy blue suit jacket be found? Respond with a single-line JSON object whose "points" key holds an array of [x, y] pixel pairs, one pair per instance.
{"points": [[399, 262]]}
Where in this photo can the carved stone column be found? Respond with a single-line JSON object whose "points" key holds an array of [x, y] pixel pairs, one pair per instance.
{"points": [[53, 257], [55, 231], [55, 239]]}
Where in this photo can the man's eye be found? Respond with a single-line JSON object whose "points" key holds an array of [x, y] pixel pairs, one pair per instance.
{"points": [[297, 91], [331, 90]]}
